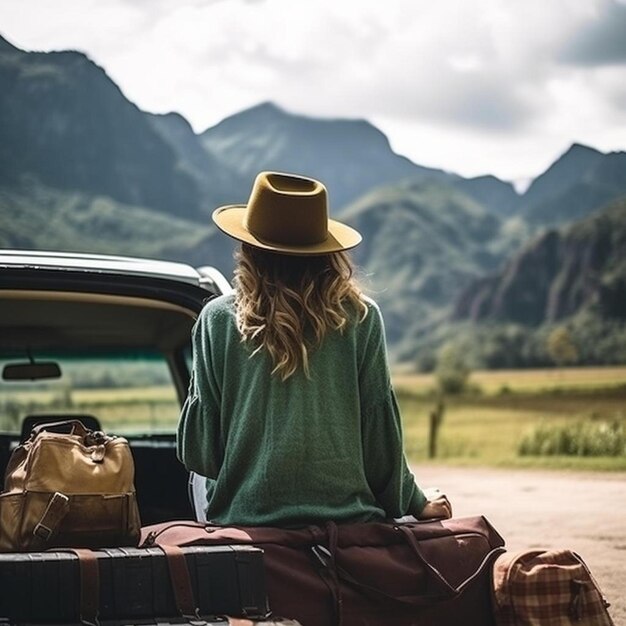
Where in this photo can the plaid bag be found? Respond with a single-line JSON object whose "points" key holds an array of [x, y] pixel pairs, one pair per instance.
{"points": [[547, 588]]}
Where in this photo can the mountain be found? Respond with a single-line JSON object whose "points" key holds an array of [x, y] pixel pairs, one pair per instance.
{"points": [[558, 275], [494, 194], [40, 217], [216, 181], [422, 243], [65, 123], [562, 174], [6, 46], [349, 156], [580, 181]]}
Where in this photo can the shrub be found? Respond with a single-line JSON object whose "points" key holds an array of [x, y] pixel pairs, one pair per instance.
{"points": [[583, 438], [561, 347], [452, 371]]}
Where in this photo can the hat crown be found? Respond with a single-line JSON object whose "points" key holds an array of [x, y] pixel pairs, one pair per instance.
{"points": [[287, 210]]}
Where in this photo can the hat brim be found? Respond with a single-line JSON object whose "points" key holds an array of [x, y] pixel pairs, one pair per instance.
{"points": [[230, 220]]}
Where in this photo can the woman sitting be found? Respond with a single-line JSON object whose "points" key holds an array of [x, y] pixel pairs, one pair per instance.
{"points": [[291, 416]]}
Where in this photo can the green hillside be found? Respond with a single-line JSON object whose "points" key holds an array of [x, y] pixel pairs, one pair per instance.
{"points": [[560, 273], [422, 243], [572, 280], [44, 218]]}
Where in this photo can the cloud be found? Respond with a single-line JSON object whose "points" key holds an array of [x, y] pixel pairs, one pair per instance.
{"points": [[497, 73], [481, 99], [468, 64], [339, 61], [599, 41], [617, 97]]}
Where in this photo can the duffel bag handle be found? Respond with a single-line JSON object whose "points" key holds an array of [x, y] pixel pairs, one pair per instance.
{"points": [[448, 589], [424, 600], [444, 590], [75, 427]]}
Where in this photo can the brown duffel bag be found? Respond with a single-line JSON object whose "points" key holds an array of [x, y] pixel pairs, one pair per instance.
{"points": [[423, 573], [69, 487]]}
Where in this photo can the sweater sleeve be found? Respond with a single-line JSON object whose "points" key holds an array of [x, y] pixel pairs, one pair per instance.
{"points": [[199, 438], [386, 468]]}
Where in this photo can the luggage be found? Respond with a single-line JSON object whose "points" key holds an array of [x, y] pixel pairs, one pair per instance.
{"points": [[182, 622], [551, 588], [69, 486], [213, 621], [129, 585], [267, 622], [430, 573]]}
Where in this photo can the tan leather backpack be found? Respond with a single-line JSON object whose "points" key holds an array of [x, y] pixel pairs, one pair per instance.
{"points": [[69, 489]]}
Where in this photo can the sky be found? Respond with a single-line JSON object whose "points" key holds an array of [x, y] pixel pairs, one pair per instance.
{"points": [[470, 86]]}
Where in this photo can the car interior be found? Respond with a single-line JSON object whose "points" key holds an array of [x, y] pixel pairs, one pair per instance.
{"points": [[116, 362]]}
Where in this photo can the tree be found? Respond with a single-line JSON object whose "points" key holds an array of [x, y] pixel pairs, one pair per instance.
{"points": [[561, 347], [452, 371]]}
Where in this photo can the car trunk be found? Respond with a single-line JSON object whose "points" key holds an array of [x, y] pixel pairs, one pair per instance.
{"points": [[95, 312]]}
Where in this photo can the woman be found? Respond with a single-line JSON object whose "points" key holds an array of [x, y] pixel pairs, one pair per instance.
{"points": [[290, 414]]}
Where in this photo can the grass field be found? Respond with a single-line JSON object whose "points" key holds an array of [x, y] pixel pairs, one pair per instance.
{"points": [[486, 426], [136, 409], [526, 381], [483, 427]]}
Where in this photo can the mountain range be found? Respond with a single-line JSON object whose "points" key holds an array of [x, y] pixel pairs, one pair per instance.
{"points": [[558, 275], [83, 168], [65, 123]]}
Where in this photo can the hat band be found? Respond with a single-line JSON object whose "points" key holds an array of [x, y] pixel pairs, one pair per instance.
{"points": [[284, 233]]}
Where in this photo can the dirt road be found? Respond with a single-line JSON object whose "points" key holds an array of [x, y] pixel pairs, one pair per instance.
{"points": [[538, 509]]}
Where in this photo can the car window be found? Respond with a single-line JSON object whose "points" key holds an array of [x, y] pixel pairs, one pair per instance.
{"points": [[128, 392], [188, 358]]}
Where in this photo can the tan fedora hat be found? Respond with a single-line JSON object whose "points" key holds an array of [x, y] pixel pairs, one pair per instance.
{"points": [[286, 214]]}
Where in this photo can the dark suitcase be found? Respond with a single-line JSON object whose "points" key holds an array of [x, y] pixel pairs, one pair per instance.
{"points": [[174, 622], [273, 621], [134, 584]]}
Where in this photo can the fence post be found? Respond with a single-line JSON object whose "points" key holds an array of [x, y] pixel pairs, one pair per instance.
{"points": [[436, 418]]}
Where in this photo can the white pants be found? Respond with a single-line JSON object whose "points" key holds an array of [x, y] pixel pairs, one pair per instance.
{"points": [[199, 502], [197, 495]]}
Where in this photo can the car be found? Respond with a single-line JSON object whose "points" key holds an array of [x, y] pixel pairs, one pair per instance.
{"points": [[107, 339]]}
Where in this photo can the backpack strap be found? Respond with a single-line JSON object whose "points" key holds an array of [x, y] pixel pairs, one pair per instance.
{"points": [[58, 507]]}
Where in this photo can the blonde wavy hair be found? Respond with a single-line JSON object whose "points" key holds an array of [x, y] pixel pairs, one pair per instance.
{"points": [[287, 304]]}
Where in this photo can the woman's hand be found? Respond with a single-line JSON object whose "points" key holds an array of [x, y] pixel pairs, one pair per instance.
{"points": [[437, 505]]}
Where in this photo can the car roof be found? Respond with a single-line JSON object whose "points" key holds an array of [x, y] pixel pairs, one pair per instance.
{"points": [[99, 263], [100, 301], [206, 276]]}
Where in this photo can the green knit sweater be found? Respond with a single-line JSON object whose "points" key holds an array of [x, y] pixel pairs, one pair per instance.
{"points": [[300, 451]]}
